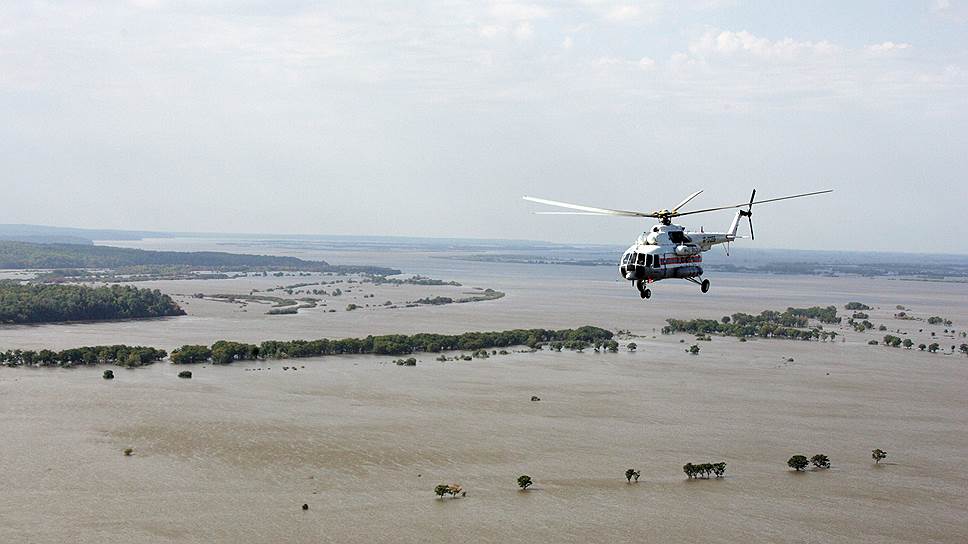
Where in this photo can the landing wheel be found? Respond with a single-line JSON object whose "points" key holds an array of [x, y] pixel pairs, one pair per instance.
{"points": [[647, 293], [704, 286]]}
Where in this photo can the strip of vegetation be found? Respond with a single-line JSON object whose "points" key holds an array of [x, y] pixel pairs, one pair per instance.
{"points": [[223, 352], [791, 323], [486, 294], [24, 255], [49, 303], [121, 355], [413, 280]]}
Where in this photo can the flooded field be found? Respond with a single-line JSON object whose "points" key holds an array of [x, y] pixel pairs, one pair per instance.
{"points": [[232, 454]]}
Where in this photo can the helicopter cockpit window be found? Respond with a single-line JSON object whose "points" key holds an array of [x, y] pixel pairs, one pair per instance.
{"points": [[678, 237], [626, 257], [648, 260], [641, 259], [656, 261]]}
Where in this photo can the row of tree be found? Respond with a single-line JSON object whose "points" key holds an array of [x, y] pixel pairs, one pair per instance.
{"points": [[692, 470], [704, 470], [120, 355], [800, 462], [223, 352], [791, 323], [47, 303]]}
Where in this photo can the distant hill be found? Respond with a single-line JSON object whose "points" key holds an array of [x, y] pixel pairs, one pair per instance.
{"points": [[68, 235], [24, 255]]}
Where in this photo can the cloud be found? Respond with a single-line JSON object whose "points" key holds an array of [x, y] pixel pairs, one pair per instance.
{"points": [[886, 48], [739, 44], [624, 13]]}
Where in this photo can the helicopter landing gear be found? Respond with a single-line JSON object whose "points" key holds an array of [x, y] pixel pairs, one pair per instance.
{"points": [[644, 291], [703, 285]]}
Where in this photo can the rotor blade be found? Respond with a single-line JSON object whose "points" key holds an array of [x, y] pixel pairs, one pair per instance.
{"points": [[757, 202], [572, 213], [688, 198], [603, 211], [752, 237]]}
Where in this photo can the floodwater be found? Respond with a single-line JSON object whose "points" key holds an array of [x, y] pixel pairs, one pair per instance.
{"points": [[232, 454]]}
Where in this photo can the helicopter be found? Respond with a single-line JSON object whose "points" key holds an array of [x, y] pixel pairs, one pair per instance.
{"points": [[668, 251]]}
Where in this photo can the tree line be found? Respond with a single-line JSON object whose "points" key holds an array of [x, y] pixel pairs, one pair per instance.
{"points": [[791, 323], [47, 303], [223, 352], [120, 355]]}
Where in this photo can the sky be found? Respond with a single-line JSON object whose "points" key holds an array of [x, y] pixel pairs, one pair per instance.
{"points": [[434, 118]]}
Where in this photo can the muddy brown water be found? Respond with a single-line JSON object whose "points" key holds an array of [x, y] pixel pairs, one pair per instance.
{"points": [[233, 453]]}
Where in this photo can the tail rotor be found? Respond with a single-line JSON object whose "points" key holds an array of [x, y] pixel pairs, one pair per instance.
{"points": [[748, 213]]}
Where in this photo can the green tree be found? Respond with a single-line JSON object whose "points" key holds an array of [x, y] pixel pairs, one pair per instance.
{"points": [[878, 455], [820, 461], [190, 354], [108, 375], [798, 462], [524, 482]]}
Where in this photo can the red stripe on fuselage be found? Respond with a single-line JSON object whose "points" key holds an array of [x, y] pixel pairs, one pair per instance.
{"points": [[681, 260]]}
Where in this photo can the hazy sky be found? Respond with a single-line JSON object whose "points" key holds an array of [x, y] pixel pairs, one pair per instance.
{"points": [[435, 118]]}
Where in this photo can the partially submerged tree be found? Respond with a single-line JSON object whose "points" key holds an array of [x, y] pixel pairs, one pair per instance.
{"points": [[524, 482], [632, 473], [703, 470], [878, 454], [798, 462], [632, 346], [693, 349], [441, 490], [820, 461]]}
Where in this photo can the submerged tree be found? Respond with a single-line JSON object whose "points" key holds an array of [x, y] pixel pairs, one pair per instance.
{"points": [[820, 461], [798, 462], [878, 454]]}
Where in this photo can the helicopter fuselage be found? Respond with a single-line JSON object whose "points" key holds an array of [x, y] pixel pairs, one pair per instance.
{"points": [[670, 252]]}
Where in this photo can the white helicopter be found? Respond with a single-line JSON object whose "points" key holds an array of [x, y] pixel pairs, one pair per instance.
{"points": [[666, 250]]}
